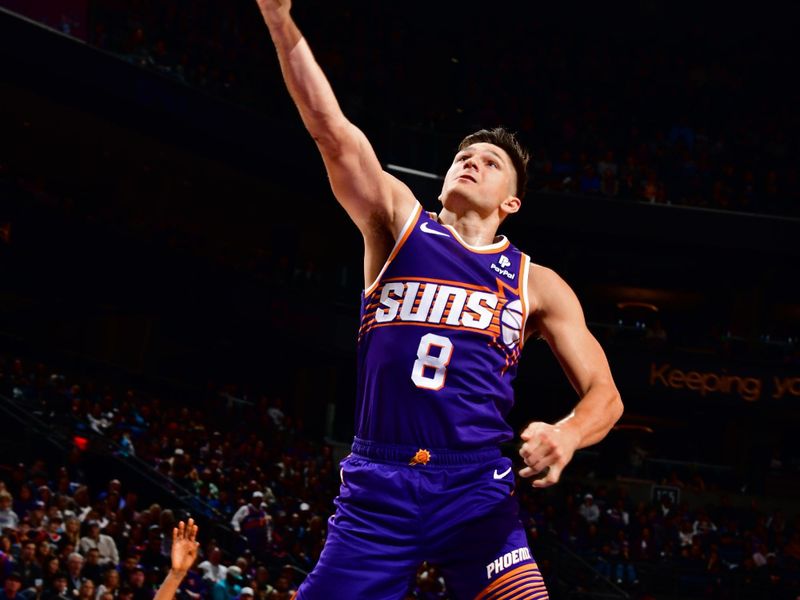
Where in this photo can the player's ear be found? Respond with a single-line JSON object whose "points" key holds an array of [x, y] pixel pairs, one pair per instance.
{"points": [[511, 205]]}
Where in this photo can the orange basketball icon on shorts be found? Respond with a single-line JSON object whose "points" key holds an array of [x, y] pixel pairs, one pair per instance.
{"points": [[422, 457]]}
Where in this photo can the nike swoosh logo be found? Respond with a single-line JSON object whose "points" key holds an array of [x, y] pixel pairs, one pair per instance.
{"points": [[503, 474], [424, 228]]}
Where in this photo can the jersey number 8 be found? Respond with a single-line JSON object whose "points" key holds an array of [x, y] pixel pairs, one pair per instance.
{"points": [[430, 370]]}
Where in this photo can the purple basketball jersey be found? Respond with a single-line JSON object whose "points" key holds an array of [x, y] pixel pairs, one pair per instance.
{"points": [[440, 337]]}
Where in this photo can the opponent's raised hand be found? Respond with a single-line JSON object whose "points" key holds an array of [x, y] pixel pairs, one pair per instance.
{"points": [[184, 546]]}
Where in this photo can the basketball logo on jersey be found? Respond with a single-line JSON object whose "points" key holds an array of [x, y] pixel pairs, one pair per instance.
{"points": [[511, 320]]}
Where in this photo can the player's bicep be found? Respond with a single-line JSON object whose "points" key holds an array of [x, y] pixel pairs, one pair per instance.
{"points": [[369, 195], [561, 321]]}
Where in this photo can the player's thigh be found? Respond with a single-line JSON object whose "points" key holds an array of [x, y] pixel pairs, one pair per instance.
{"points": [[351, 568], [482, 548], [371, 550], [500, 569]]}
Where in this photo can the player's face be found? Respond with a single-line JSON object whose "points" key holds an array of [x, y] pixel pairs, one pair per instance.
{"points": [[483, 174]]}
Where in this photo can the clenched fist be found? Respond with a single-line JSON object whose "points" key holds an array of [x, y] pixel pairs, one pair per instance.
{"points": [[546, 450]]}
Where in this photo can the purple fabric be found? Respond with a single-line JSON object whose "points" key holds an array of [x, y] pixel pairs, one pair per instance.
{"points": [[437, 347], [391, 516]]}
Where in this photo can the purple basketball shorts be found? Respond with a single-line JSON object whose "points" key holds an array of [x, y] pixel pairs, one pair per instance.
{"points": [[399, 506]]}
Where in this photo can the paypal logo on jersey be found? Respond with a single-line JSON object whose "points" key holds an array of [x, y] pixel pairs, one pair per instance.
{"points": [[504, 262]]}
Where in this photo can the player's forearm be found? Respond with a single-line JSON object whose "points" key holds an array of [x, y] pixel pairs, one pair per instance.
{"points": [[307, 84], [595, 414], [170, 585]]}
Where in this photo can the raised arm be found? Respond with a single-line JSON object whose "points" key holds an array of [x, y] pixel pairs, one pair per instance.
{"points": [[557, 315], [377, 202], [184, 553]]}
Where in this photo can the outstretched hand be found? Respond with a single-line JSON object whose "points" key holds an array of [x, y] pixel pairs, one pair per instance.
{"points": [[184, 546], [546, 450], [275, 12]]}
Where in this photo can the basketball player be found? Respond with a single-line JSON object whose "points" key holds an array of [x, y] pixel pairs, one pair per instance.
{"points": [[446, 308]]}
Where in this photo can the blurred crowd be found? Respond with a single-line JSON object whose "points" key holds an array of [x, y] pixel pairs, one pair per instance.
{"points": [[258, 474], [664, 545], [249, 466], [692, 115]]}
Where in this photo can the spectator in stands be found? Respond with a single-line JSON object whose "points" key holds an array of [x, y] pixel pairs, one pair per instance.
{"points": [[24, 501], [589, 510], [153, 556], [246, 593], [54, 527], [261, 585], [92, 569], [617, 516], [229, 588], [12, 587], [87, 590], [45, 494], [284, 590], [82, 501], [624, 570], [8, 518], [126, 445], [74, 572], [212, 568], [58, 588], [137, 581], [71, 533], [50, 569], [35, 518], [110, 583], [254, 523], [105, 544], [28, 568], [703, 527]]}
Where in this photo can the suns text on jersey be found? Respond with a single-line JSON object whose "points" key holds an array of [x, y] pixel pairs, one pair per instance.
{"points": [[436, 303]]}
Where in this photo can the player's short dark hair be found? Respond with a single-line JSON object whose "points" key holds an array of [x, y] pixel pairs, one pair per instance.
{"points": [[502, 138]]}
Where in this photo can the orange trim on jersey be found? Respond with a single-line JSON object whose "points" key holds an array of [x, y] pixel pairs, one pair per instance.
{"points": [[373, 325], [524, 592], [525, 581], [410, 225], [521, 572], [461, 284]]}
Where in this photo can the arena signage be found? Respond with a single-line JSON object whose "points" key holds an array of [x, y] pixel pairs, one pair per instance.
{"points": [[748, 388]]}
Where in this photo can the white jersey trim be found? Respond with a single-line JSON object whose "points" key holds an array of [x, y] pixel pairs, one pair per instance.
{"points": [[525, 267], [501, 243]]}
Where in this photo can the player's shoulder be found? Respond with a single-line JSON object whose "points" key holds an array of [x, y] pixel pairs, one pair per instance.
{"points": [[546, 287], [542, 277]]}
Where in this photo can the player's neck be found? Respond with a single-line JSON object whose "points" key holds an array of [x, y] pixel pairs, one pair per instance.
{"points": [[471, 226]]}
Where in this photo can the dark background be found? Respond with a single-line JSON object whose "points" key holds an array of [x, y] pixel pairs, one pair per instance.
{"points": [[170, 220]]}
